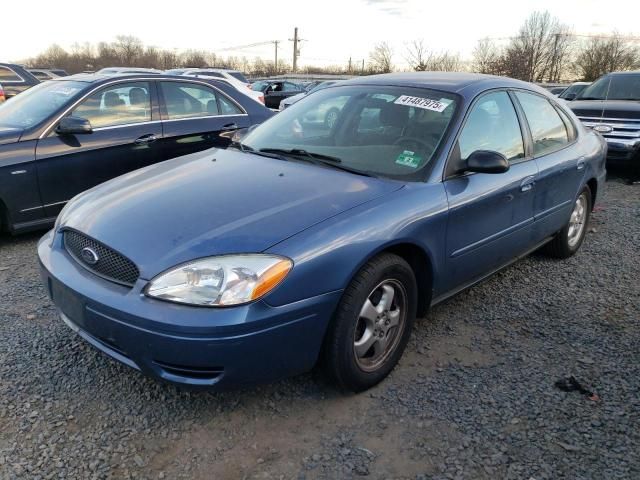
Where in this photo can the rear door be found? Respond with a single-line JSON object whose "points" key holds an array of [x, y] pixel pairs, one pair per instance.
{"points": [[125, 137], [197, 116], [560, 163], [490, 215]]}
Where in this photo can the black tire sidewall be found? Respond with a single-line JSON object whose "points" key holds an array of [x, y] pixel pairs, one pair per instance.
{"points": [[387, 267]]}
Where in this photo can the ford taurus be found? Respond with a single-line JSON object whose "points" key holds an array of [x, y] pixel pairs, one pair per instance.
{"points": [[312, 243]]}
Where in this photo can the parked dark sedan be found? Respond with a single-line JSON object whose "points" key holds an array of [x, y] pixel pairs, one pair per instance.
{"points": [[276, 91], [311, 242], [15, 79], [67, 135]]}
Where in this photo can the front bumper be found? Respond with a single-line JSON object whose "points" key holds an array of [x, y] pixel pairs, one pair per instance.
{"points": [[622, 151], [200, 347]]}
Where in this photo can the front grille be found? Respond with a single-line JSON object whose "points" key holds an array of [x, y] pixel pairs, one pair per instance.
{"points": [[623, 130], [109, 265]]}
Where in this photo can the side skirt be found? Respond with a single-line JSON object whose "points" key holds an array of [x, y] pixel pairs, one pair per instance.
{"points": [[465, 286]]}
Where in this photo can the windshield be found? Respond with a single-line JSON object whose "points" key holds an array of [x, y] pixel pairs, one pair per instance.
{"points": [[259, 86], [321, 86], [378, 130], [36, 104], [613, 87], [239, 76], [574, 89]]}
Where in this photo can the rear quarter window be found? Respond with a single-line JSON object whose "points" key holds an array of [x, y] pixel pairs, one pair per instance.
{"points": [[8, 75]]}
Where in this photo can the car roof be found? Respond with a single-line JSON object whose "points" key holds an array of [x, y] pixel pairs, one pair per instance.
{"points": [[446, 81], [100, 77]]}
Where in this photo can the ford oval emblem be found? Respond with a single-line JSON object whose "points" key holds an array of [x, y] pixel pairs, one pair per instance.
{"points": [[603, 128], [89, 256]]}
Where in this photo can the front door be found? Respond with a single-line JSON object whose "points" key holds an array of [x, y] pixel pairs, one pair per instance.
{"points": [[125, 137], [197, 116], [490, 215]]}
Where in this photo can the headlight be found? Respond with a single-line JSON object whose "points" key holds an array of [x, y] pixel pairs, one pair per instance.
{"points": [[220, 281]]}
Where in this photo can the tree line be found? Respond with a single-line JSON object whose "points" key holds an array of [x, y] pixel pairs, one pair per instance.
{"points": [[543, 50]]}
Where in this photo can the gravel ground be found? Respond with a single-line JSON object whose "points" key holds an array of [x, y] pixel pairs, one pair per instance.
{"points": [[473, 397]]}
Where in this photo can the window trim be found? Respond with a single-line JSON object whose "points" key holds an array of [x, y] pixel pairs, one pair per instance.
{"points": [[553, 104], [108, 127], [164, 116], [6, 82], [447, 174]]}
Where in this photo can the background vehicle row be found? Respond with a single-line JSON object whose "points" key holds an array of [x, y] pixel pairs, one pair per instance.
{"points": [[65, 136]]}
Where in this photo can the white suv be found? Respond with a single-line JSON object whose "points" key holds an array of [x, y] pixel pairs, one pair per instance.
{"points": [[234, 77]]}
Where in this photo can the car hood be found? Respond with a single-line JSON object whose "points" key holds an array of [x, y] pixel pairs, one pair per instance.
{"points": [[212, 203], [606, 108], [9, 135]]}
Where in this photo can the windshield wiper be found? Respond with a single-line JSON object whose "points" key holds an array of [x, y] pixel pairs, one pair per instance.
{"points": [[303, 153], [317, 159], [589, 98]]}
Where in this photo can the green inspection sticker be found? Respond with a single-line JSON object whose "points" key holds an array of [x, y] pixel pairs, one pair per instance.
{"points": [[409, 159]]}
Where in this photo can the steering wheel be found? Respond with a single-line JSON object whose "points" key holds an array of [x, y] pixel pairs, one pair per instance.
{"points": [[411, 143]]}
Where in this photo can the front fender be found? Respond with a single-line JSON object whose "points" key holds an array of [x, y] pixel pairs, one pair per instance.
{"points": [[327, 255]]}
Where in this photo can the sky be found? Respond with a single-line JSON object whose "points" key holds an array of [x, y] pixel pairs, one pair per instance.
{"points": [[333, 30]]}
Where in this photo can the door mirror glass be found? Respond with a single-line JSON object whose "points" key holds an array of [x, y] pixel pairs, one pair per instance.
{"points": [[74, 125], [487, 161]]}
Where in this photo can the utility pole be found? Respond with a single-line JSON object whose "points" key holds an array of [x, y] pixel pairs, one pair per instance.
{"points": [[363, 66], [276, 42], [296, 50], [349, 66]]}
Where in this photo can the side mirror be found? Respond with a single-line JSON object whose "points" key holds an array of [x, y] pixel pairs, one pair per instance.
{"points": [[570, 96], [74, 125], [239, 134], [487, 161]]}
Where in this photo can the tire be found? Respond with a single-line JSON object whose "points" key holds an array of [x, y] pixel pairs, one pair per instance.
{"points": [[347, 359], [331, 117], [567, 241]]}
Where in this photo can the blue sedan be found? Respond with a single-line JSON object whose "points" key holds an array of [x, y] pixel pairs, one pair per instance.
{"points": [[309, 242]]}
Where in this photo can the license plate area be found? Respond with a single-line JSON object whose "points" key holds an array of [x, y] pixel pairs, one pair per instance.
{"points": [[68, 303]]}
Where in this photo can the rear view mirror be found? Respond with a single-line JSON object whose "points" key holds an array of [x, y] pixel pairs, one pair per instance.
{"points": [[74, 125], [487, 161]]}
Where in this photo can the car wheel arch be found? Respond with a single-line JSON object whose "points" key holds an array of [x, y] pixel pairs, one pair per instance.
{"points": [[421, 263], [593, 187]]}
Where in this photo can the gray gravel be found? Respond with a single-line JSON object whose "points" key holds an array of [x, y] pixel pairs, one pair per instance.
{"points": [[473, 397]]}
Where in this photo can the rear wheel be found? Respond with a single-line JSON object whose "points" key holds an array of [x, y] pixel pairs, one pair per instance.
{"points": [[372, 324], [568, 240]]}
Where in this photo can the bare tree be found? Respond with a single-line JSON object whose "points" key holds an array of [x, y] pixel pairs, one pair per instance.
{"points": [[381, 58], [604, 55], [129, 49], [486, 57], [421, 59]]}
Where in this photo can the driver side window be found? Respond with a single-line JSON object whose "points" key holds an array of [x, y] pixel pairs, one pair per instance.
{"points": [[120, 104], [492, 125]]}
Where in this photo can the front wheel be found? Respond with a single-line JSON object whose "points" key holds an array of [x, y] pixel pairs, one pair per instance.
{"points": [[568, 240], [372, 324]]}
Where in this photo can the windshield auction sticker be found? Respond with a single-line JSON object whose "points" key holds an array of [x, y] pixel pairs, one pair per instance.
{"points": [[409, 159], [420, 102]]}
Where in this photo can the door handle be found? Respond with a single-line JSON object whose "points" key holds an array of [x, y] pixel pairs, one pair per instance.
{"points": [[527, 184], [229, 126], [143, 140], [581, 163]]}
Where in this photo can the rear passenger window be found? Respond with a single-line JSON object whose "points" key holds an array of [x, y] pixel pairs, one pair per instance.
{"points": [[8, 75], [568, 123], [547, 128], [191, 100], [492, 125], [120, 104]]}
